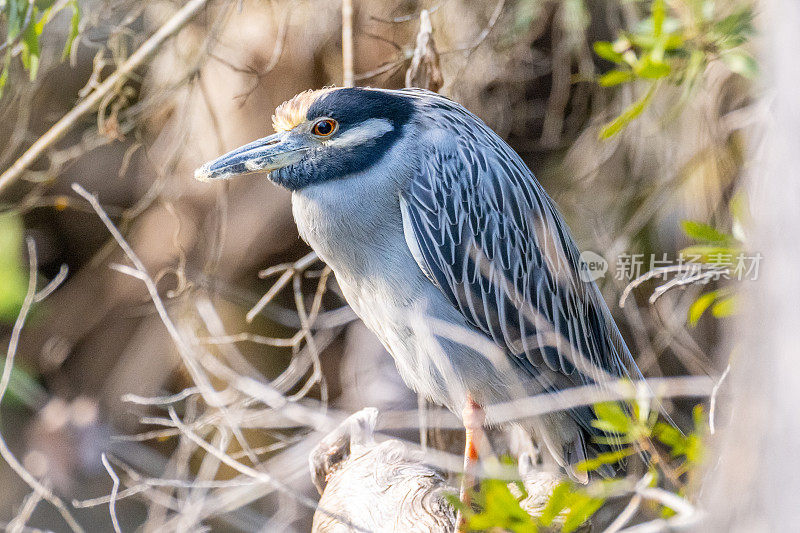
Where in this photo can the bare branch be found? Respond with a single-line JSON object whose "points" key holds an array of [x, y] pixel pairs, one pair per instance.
{"points": [[347, 43]]}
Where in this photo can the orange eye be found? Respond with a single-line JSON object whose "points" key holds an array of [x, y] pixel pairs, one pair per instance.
{"points": [[324, 127]]}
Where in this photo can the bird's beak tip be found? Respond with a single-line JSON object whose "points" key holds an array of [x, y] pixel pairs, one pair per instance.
{"points": [[207, 174], [202, 174]]}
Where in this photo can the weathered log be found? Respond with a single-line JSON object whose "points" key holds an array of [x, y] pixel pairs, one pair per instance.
{"points": [[376, 487], [388, 487]]}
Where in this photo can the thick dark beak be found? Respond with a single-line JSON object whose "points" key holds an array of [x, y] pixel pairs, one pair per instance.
{"points": [[264, 155]]}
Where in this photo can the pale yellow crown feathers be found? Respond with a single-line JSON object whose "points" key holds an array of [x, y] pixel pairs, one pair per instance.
{"points": [[293, 112]]}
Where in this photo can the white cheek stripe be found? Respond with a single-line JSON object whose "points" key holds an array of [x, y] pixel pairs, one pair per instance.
{"points": [[366, 131]]}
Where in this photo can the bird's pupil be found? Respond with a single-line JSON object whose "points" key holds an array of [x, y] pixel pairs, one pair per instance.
{"points": [[324, 127]]}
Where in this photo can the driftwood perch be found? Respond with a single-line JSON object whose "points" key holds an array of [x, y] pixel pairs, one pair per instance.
{"points": [[387, 487], [376, 487]]}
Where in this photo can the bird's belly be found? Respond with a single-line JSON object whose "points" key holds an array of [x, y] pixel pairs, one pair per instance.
{"points": [[430, 344]]}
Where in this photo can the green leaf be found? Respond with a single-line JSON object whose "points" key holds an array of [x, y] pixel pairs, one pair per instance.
{"points": [[659, 12], [606, 50], [695, 449], [704, 232], [740, 62], [666, 512], [699, 417], [558, 501], [13, 274], [739, 208], [607, 458], [454, 500], [580, 512], [499, 509], [611, 415], [672, 41], [633, 111], [700, 305], [652, 69], [738, 25], [74, 29], [4, 71], [707, 253], [644, 28], [31, 50], [668, 435], [615, 77], [690, 446]]}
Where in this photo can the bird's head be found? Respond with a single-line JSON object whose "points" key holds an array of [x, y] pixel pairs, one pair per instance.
{"points": [[320, 135]]}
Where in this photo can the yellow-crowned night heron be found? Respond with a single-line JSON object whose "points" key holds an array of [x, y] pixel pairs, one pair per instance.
{"points": [[447, 247]]}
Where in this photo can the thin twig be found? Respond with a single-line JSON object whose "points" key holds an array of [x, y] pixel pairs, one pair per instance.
{"points": [[347, 43], [112, 500], [388, 67], [693, 272], [121, 495], [270, 294], [53, 285], [687, 516], [498, 9], [712, 409], [590, 394], [161, 400], [470, 49], [254, 338], [210, 395], [277, 51]]}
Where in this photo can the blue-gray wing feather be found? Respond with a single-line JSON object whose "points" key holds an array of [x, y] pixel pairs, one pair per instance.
{"points": [[487, 234]]}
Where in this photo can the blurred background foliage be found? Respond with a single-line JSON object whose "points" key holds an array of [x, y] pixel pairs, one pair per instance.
{"points": [[632, 114], [25, 23]]}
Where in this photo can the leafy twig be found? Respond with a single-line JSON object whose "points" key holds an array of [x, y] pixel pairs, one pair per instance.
{"points": [[60, 128]]}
